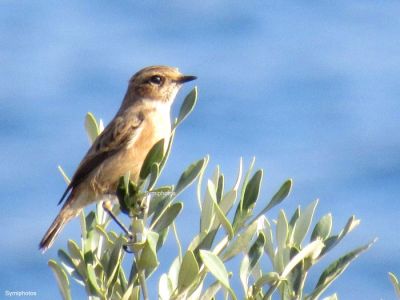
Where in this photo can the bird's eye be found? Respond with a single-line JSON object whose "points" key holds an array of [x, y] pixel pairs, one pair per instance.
{"points": [[156, 79]]}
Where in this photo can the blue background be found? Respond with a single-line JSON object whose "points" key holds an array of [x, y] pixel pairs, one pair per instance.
{"points": [[309, 88]]}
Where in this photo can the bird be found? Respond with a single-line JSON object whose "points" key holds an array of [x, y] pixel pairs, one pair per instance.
{"points": [[142, 120]]}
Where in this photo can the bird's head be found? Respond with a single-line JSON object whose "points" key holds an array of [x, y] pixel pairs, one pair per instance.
{"points": [[160, 83]]}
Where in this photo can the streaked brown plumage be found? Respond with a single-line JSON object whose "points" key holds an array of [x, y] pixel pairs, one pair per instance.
{"points": [[142, 120]]}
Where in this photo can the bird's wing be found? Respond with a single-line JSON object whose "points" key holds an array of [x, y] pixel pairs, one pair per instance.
{"points": [[116, 135]]}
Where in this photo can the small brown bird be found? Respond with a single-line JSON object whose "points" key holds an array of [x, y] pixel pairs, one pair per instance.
{"points": [[142, 120]]}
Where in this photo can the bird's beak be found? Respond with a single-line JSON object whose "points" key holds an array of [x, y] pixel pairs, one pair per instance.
{"points": [[186, 78]]}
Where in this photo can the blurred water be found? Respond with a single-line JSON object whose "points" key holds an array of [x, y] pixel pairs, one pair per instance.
{"points": [[310, 89]]}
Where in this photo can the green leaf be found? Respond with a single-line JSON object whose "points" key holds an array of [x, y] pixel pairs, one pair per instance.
{"points": [[155, 155], [62, 280], [303, 223], [187, 106], [92, 281], [252, 191], [92, 129], [66, 260], [154, 173], [280, 195], [188, 272], [148, 259], [323, 228], [190, 175], [294, 218], [335, 269], [220, 188], [332, 241], [166, 218], [214, 264], [256, 251], [395, 283]]}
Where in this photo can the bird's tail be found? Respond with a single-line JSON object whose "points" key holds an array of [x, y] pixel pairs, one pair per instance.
{"points": [[63, 217]]}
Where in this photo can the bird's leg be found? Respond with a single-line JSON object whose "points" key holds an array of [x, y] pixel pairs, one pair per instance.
{"points": [[108, 208]]}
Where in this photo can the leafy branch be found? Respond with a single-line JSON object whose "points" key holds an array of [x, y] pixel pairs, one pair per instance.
{"points": [[276, 255]]}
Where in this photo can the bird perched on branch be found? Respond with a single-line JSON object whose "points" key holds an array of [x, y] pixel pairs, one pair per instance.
{"points": [[142, 120]]}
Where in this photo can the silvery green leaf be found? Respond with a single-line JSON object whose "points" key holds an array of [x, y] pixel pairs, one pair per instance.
{"points": [[187, 106], [268, 278], [190, 175], [148, 259], [200, 181], [77, 257], [188, 272], [241, 243], [166, 218], [303, 223], [323, 228], [131, 293], [216, 267], [207, 212], [92, 129], [173, 272], [331, 297], [165, 287], [335, 269], [211, 291], [222, 219], [62, 279], [244, 272], [227, 201], [311, 250], [269, 242], [195, 291], [281, 230], [215, 176], [116, 255]]}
